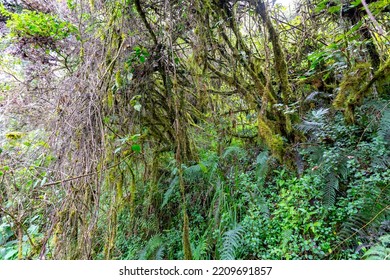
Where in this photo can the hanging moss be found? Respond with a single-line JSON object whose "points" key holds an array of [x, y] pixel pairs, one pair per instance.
{"points": [[132, 193], [153, 186], [279, 57], [272, 140], [288, 125], [350, 93], [381, 78]]}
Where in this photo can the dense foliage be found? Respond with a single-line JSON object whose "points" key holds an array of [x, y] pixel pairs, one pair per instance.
{"points": [[194, 129]]}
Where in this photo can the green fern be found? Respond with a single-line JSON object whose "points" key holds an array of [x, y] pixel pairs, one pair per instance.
{"points": [[199, 251], [197, 174], [317, 121], [382, 162], [171, 189], [384, 126], [374, 210], [308, 127], [204, 170], [153, 250], [286, 238], [380, 251], [160, 253], [194, 173], [231, 241]]}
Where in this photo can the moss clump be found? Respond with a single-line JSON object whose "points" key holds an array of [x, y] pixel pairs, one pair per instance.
{"points": [[356, 85], [273, 140], [14, 135]]}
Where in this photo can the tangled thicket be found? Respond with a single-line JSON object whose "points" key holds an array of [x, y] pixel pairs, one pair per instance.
{"points": [[194, 129]]}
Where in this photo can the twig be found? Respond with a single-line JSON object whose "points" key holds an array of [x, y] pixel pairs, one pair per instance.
{"points": [[113, 61], [371, 16], [85, 175]]}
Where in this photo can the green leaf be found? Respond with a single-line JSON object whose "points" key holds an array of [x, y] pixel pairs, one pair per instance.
{"points": [[231, 241], [334, 9], [136, 148], [321, 6], [356, 3], [35, 184], [203, 167]]}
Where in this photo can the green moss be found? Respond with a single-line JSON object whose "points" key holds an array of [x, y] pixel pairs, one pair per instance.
{"points": [[186, 238], [273, 140], [355, 86], [118, 79], [351, 94]]}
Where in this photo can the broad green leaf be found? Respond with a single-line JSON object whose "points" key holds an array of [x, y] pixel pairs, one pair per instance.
{"points": [[136, 148]]}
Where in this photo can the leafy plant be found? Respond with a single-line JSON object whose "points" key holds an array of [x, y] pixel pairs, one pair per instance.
{"points": [[380, 251], [32, 24]]}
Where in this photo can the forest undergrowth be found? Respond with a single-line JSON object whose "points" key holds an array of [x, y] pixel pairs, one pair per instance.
{"points": [[199, 130]]}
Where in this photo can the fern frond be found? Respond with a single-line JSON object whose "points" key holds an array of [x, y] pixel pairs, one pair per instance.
{"points": [[212, 164], [316, 121], [153, 250], [319, 114], [262, 167], [234, 152], [194, 172], [203, 170], [381, 162], [172, 187], [312, 96], [308, 127], [384, 126], [286, 237], [216, 205], [315, 153], [231, 241], [330, 188], [342, 167], [263, 207], [374, 212], [160, 253]]}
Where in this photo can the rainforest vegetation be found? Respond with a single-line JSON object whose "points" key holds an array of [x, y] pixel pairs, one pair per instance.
{"points": [[188, 129]]}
